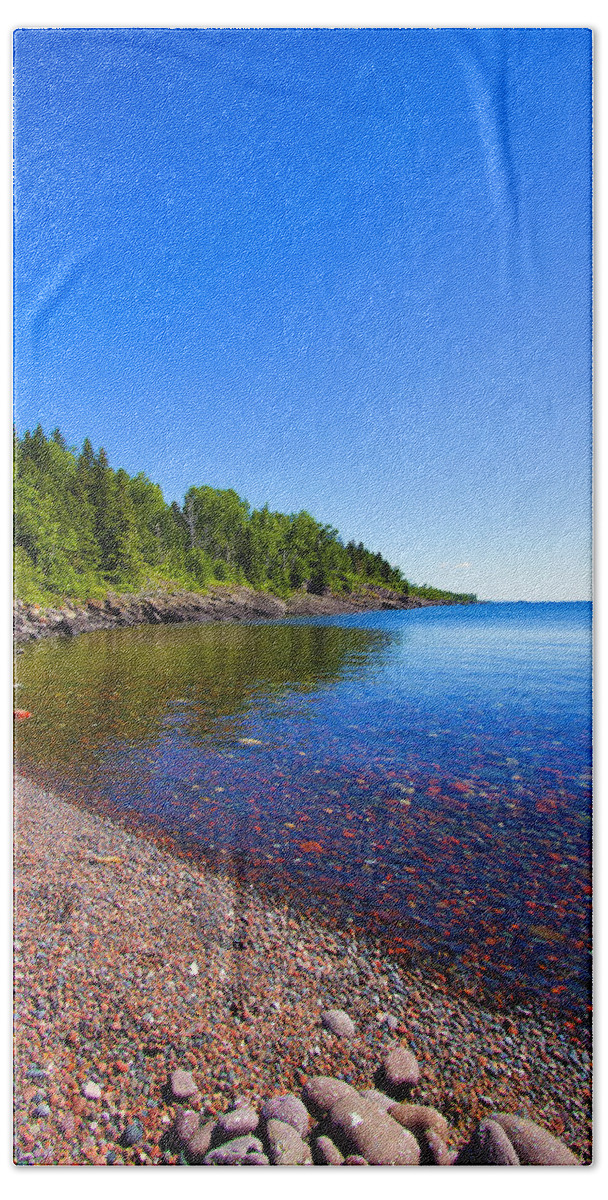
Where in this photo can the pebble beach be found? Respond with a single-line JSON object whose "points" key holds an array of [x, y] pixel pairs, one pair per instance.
{"points": [[137, 970]]}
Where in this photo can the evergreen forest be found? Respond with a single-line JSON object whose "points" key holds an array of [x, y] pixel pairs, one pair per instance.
{"points": [[83, 530]]}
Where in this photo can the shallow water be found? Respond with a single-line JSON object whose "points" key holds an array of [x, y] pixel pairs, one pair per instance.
{"points": [[426, 772]]}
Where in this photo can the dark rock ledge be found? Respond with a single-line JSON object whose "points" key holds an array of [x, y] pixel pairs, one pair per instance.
{"points": [[220, 603]]}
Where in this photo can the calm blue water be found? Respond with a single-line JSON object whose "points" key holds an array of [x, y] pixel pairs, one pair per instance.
{"points": [[426, 773]]}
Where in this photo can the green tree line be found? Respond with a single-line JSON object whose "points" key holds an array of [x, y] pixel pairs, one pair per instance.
{"points": [[83, 529]]}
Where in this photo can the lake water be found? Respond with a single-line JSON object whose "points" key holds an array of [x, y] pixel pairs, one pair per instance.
{"points": [[424, 773]]}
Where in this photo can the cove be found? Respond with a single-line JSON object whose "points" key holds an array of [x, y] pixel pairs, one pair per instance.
{"points": [[424, 774]]}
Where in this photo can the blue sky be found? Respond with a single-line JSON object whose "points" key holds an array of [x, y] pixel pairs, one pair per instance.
{"points": [[347, 271]]}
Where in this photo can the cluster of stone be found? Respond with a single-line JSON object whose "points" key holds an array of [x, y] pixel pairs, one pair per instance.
{"points": [[333, 1124]]}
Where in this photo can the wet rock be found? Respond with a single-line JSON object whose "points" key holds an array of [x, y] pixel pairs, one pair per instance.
{"points": [[287, 1108], [534, 1145], [91, 1090], [418, 1118], [322, 1091], [236, 1123], [488, 1146], [338, 1022], [232, 1154], [199, 1143], [182, 1085], [360, 1127], [399, 1072], [327, 1153], [285, 1146]]}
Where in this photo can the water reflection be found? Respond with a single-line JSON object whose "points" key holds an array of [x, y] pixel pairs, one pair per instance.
{"points": [[418, 772], [134, 685]]}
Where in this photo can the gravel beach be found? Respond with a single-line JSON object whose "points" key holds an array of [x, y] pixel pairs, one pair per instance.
{"points": [[131, 963]]}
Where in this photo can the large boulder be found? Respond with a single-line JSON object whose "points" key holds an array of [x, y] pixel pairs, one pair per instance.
{"points": [[285, 1146], [236, 1123], [197, 1146], [358, 1126], [433, 1150], [322, 1091], [399, 1072], [288, 1108], [534, 1145], [235, 1153], [419, 1118], [327, 1153], [488, 1146]]}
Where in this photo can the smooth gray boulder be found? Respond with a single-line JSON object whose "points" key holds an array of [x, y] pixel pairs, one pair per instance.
{"points": [[182, 1085], [383, 1101], [186, 1123], [434, 1151]]}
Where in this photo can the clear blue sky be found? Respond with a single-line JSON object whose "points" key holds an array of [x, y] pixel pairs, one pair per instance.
{"points": [[347, 271]]}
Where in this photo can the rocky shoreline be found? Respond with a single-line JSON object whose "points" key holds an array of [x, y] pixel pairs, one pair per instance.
{"points": [[169, 1014], [219, 603]]}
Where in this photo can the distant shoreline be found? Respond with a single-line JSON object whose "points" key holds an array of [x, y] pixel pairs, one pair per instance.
{"points": [[219, 603]]}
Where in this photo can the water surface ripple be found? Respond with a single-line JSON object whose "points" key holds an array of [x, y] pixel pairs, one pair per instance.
{"points": [[425, 772]]}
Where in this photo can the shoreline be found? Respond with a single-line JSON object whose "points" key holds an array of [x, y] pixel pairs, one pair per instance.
{"points": [[219, 603], [145, 961]]}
